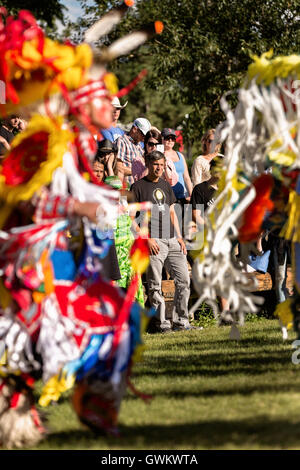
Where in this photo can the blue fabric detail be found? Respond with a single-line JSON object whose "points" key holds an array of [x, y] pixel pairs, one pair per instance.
{"points": [[298, 185], [31, 312], [260, 263], [49, 207], [90, 363], [135, 326], [61, 209], [64, 265], [95, 362], [112, 133], [89, 359], [297, 264], [102, 240], [179, 188]]}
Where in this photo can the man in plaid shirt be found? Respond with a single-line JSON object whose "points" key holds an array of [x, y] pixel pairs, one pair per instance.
{"points": [[129, 147]]}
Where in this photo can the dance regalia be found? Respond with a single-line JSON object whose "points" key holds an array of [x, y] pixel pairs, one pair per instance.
{"points": [[259, 188], [60, 320]]}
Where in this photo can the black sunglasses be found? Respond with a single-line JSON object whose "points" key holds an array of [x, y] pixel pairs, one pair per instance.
{"points": [[170, 137], [152, 144]]}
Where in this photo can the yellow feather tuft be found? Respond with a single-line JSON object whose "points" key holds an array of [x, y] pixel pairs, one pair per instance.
{"points": [[111, 83], [55, 386], [265, 69], [284, 313], [291, 229], [71, 69], [139, 262], [5, 297], [58, 143]]}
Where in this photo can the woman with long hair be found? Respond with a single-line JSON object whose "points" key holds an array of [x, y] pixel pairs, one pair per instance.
{"points": [[153, 141], [200, 171], [183, 188]]}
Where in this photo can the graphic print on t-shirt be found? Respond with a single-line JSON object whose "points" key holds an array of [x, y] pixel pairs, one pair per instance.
{"points": [[160, 199]]}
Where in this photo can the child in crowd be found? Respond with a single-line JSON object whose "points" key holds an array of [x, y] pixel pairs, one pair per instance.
{"points": [[99, 170], [107, 155]]}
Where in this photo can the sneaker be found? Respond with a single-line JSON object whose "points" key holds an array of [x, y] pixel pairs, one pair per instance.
{"points": [[165, 330], [160, 330], [178, 327], [154, 327]]}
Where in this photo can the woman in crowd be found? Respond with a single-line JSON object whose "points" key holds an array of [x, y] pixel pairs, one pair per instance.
{"points": [[183, 188], [153, 141], [201, 166]]}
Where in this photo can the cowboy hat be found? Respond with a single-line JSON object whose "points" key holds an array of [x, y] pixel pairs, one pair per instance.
{"points": [[106, 146], [116, 103]]}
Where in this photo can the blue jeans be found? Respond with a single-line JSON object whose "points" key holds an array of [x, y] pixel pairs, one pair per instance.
{"points": [[279, 256]]}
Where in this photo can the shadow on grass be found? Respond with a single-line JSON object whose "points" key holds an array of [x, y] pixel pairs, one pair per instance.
{"points": [[203, 343], [73, 439], [256, 433], [260, 431], [243, 390], [214, 365], [202, 360]]}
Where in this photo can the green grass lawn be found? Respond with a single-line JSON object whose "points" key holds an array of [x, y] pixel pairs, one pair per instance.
{"points": [[208, 393]]}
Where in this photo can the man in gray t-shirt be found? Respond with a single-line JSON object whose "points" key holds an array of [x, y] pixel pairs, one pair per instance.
{"points": [[165, 244]]}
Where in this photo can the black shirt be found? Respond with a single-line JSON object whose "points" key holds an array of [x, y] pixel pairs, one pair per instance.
{"points": [[162, 197], [8, 136], [202, 196], [110, 266]]}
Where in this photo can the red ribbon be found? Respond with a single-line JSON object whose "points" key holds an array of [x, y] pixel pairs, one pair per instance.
{"points": [[15, 399], [36, 419], [124, 91], [147, 398], [254, 215]]}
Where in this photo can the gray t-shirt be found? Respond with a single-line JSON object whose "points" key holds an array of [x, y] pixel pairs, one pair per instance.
{"points": [[162, 197]]}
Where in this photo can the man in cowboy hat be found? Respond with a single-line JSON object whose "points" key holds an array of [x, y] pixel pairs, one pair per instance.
{"points": [[114, 131]]}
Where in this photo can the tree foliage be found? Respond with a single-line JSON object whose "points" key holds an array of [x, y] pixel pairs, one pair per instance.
{"points": [[203, 52], [47, 13]]}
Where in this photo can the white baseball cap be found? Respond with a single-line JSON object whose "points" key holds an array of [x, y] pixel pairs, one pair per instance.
{"points": [[142, 124], [116, 103]]}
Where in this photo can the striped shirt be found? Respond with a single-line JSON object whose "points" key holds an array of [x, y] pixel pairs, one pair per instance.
{"points": [[128, 151]]}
